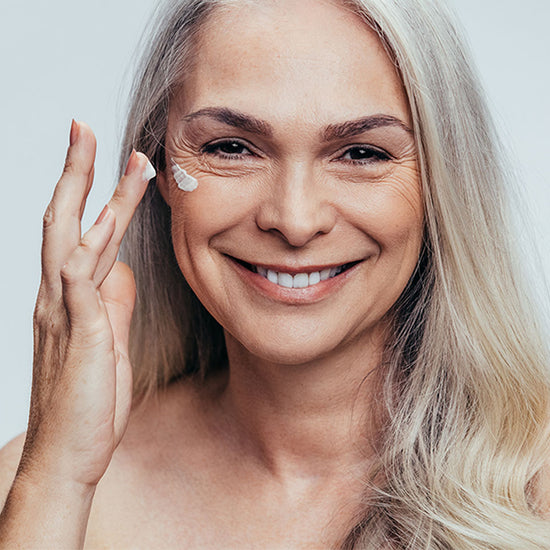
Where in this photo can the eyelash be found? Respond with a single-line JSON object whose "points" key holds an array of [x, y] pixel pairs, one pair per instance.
{"points": [[374, 154], [215, 149]]}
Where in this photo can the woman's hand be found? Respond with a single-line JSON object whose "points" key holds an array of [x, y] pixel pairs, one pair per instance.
{"points": [[82, 377]]}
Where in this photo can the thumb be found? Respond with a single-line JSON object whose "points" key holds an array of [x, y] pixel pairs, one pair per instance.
{"points": [[118, 293]]}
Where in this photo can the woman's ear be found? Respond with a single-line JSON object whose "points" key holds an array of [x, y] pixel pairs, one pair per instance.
{"points": [[162, 184]]}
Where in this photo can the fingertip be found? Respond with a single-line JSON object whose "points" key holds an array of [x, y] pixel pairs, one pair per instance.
{"points": [[82, 149], [81, 134], [86, 134], [132, 163], [149, 171], [138, 163], [83, 126], [108, 223], [142, 156], [75, 130], [105, 215]]}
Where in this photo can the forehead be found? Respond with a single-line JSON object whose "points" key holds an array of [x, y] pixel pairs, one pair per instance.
{"points": [[294, 58]]}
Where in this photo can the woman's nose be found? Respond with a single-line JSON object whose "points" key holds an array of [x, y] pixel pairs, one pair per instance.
{"points": [[296, 208]]}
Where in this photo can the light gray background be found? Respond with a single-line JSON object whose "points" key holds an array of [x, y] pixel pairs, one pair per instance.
{"points": [[70, 58]]}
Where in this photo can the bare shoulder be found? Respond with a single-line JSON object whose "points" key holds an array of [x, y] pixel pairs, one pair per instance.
{"points": [[152, 473], [10, 455]]}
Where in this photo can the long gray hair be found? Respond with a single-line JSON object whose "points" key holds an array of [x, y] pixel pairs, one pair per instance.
{"points": [[466, 408]]}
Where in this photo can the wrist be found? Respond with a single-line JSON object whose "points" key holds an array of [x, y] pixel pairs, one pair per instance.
{"points": [[54, 486], [44, 512], [45, 464]]}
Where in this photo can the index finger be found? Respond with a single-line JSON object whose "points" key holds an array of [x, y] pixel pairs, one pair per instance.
{"points": [[61, 223]]}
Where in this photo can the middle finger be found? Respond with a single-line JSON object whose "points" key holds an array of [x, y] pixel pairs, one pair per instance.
{"points": [[124, 202]]}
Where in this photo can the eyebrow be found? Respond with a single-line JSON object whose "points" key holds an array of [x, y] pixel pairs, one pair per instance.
{"points": [[233, 118], [331, 132], [355, 127]]}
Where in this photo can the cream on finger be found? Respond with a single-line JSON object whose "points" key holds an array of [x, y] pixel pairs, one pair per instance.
{"points": [[149, 173], [134, 162]]}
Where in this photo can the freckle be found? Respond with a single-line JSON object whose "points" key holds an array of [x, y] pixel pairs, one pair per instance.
{"points": [[185, 181]]}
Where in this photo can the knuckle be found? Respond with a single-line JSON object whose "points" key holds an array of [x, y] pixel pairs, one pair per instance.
{"points": [[120, 193], [48, 316], [90, 248], [49, 217], [70, 272], [79, 263], [69, 165], [40, 314], [87, 245]]}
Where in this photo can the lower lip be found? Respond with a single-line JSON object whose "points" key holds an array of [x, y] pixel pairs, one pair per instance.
{"points": [[294, 296]]}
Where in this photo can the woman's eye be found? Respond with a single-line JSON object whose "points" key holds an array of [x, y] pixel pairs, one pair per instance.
{"points": [[363, 154], [227, 149]]}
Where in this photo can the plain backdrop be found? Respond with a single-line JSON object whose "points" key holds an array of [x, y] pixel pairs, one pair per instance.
{"points": [[71, 58]]}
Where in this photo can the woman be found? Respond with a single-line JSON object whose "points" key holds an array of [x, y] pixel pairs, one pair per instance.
{"points": [[329, 347]]}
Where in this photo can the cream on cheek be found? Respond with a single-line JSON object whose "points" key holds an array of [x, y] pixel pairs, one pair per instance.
{"points": [[184, 181]]}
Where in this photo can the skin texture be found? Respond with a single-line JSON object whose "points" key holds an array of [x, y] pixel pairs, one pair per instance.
{"points": [[267, 455]]}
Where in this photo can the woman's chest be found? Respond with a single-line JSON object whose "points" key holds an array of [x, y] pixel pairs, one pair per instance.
{"points": [[195, 514]]}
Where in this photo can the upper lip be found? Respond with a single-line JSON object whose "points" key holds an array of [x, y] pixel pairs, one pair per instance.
{"points": [[295, 269]]}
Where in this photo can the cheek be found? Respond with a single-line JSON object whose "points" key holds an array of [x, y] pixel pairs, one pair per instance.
{"points": [[395, 221], [216, 206], [391, 213], [399, 222]]}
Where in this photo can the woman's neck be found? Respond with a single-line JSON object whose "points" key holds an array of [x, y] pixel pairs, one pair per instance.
{"points": [[303, 421]]}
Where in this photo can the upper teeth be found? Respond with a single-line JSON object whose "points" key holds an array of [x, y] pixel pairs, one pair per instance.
{"points": [[300, 280]]}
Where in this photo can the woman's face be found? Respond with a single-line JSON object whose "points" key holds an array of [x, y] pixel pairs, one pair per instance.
{"points": [[296, 126]]}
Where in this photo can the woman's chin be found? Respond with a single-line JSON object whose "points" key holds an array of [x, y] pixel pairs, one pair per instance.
{"points": [[290, 349]]}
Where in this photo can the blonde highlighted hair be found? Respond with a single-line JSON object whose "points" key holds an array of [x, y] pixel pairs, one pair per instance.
{"points": [[466, 408]]}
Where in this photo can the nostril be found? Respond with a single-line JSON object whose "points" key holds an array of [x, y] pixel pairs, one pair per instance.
{"points": [[295, 237], [295, 214]]}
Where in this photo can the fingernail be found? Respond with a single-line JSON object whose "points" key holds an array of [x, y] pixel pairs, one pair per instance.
{"points": [[74, 132], [149, 173], [131, 164], [103, 215]]}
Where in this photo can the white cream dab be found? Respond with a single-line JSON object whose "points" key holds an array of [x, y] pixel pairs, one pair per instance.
{"points": [[183, 179]]}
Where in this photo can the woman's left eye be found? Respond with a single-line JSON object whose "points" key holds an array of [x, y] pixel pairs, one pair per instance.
{"points": [[227, 149], [363, 154]]}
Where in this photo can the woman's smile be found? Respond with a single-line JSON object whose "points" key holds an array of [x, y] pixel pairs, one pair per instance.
{"points": [[295, 284]]}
